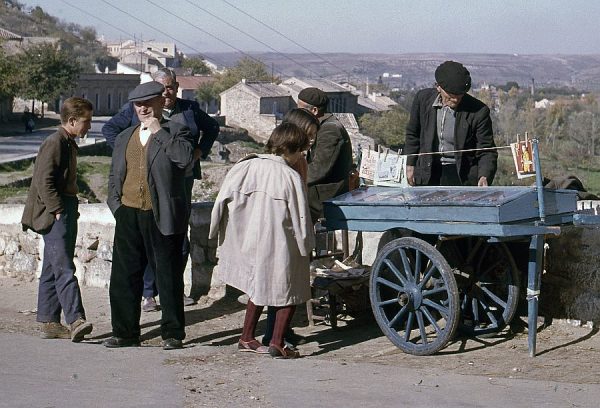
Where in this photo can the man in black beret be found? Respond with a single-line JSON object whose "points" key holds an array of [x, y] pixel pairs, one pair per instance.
{"points": [[445, 119], [329, 157], [146, 194]]}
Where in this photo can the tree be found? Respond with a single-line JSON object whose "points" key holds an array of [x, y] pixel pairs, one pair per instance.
{"points": [[386, 128], [197, 66], [9, 80], [46, 72], [206, 93]]}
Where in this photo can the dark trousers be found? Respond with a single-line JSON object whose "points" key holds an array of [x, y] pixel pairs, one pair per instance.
{"points": [[444, 175], [150, 289], [59, 289], [137, 243]]}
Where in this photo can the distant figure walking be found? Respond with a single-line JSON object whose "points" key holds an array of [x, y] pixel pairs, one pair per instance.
{"points": [[28, 120]]}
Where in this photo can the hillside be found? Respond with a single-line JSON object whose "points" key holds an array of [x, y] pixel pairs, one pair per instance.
{"points": [[579, 71]]}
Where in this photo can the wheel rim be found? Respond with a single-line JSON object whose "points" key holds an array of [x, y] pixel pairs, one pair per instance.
{"points": [[414, 296], [488, 284]]}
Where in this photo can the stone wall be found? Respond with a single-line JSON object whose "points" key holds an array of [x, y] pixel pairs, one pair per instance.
{"points": [[20, 252]]}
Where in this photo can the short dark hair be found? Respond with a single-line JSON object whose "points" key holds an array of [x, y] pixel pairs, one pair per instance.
{"points": [[287, 138], [74, 107]]}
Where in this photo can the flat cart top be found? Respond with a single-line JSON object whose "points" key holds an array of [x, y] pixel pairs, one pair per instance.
{"points": [[445, 210]]}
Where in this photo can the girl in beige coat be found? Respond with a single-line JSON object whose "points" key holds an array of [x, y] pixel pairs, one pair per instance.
{"points": [[262, 219]]}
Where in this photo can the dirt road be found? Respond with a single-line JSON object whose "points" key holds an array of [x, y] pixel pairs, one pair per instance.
{"points": [[351, 366]]}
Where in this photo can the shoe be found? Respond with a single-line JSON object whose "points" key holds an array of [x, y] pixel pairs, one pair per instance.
{"points": [[115, 342], [149, 304], [252, 346], [79, 328], [55, 330], [188, 301], [172, 344], [282, 352]]}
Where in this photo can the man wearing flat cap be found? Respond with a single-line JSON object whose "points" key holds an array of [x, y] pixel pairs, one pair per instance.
{"points": [[329, 157], [146, 194], [446, 119]]}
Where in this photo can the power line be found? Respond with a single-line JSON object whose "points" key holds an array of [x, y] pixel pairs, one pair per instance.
{"points": [[254, 38], [204, 31], [98, 18], [286, 37]]}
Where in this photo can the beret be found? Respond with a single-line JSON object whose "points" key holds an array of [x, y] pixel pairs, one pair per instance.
{"points": [[453, 77], [314, 97], [145, 91]]}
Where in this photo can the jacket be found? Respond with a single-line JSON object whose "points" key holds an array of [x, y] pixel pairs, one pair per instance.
{"points": [[189, 114], [329, 163], [262, 220], [48, 182], [473, 130], [169, 152]]}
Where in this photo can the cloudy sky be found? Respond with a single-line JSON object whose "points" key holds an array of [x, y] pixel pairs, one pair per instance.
{"points": [[361, 26]]}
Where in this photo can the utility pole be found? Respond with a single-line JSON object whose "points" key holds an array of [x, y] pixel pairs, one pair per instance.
{"points": [[532, 87]]}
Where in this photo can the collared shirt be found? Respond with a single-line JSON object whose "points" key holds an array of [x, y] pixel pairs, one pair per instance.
{"points": [[446, 120]]}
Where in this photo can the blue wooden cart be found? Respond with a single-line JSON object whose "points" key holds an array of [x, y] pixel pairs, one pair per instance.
{"points": [[451, 268]]}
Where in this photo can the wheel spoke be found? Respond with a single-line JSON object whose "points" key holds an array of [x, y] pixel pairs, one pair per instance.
{"points": [[389, 284], [406, 263], [493, 296], [427, 276], [417, 266], [489, 269], [395, 270], [444, 311], [409, 324], [434, 290], [398, 316], [387, 302], [429, 317], [421, 326], [475, 310], [473, 251]]}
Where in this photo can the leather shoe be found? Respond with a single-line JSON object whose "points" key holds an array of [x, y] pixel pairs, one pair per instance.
{"points": [[172, 344], [115, 342]]}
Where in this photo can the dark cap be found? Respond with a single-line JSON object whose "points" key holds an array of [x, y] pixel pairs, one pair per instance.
{"points": [[453, 77], [314, 97], [145, 91]]}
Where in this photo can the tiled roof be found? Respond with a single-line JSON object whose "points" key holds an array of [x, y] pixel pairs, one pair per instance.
{"points": [[297, 84], [348, 120], [266, 89], [193, 82]]}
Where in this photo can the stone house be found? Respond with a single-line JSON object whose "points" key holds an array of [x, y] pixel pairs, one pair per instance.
{"points": [[341, 100], [107, 92], [374, 102], [255, 106]]}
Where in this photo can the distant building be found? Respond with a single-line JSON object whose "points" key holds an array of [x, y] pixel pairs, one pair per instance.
{"points": [[341, 100], [13, 43], [107, 92], [543, 104], [145, 56], [255, 106], [188, 84], [375, 102]]}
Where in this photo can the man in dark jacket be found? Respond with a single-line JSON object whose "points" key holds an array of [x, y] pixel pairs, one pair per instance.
{"points": [[204, 129], [51, 210], [445, 119], [329, 157], [146, 194]]}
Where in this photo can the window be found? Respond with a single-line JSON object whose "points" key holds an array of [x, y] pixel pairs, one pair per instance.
{"points": [[109, 101], [165, 49], [97, 104]]}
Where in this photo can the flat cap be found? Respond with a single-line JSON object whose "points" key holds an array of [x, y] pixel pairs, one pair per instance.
{"points": [[145, 91], [453, 77], [314, 97]]}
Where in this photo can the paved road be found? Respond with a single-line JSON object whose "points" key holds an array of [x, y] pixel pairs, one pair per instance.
{"points": [[13, 148]]}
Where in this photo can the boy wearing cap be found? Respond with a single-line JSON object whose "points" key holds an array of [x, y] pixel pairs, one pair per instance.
{"points": [[445, 119], [146, 194], [330, 155]]}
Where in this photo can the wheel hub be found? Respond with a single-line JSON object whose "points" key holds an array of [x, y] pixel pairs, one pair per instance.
{"points": [[411, 296]]}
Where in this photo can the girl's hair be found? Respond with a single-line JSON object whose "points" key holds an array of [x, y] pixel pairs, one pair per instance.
{"points": [[304, 120], [287, 138]]}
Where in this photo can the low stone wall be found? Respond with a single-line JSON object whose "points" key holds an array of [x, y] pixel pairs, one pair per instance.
{"points": [[570, 283], [21, 252]]}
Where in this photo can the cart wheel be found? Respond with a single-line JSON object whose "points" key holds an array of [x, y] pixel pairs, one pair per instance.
{"points": [[414, 296], [488, 284]]}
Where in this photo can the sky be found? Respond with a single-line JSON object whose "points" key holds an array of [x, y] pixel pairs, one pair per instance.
{"points": [[354, 26]]}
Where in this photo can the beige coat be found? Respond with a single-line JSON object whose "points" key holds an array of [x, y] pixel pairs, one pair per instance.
{"points": [[262, 219]]}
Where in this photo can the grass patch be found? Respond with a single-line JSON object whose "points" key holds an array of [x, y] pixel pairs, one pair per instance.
{"points": [[13, 195], [21, 165]]}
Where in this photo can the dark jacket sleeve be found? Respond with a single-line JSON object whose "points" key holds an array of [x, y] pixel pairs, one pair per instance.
{"points": [[324, 153], [47, 167], [117, 124], [487, 159], [412, 141], [209, 128], [178, 143]]}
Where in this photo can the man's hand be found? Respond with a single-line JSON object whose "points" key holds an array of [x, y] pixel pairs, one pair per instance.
{"points": [[197, 154], [57, 216], [410, 174], [482, 182], [152, 124]]}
